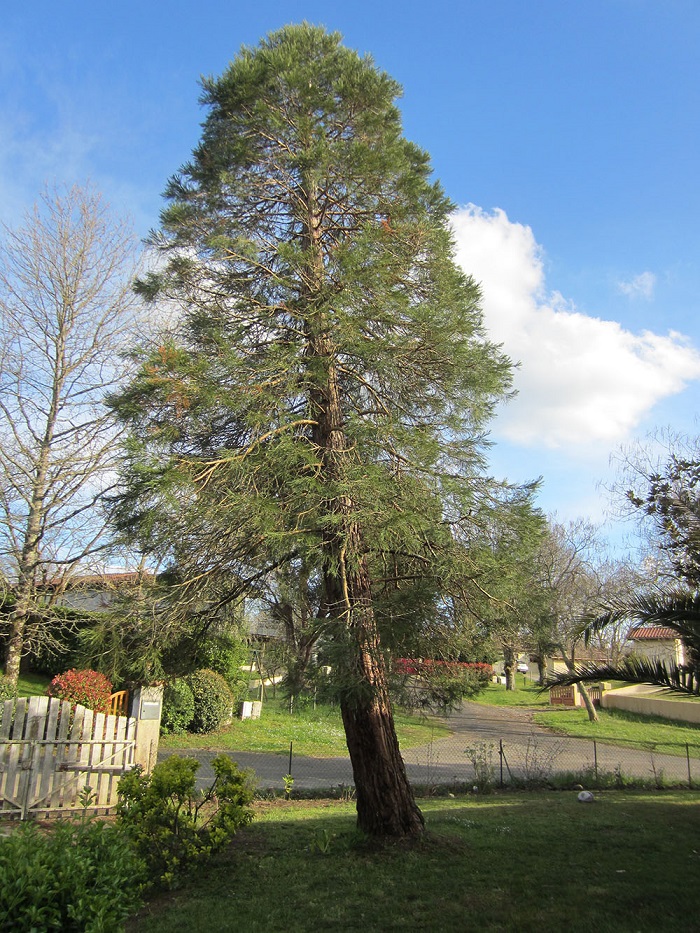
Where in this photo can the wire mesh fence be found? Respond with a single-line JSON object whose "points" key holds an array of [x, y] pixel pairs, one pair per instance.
{"points": [[525, 757]]}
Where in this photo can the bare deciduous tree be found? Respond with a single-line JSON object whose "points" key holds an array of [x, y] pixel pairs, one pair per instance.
{"points": [[66, 312]]}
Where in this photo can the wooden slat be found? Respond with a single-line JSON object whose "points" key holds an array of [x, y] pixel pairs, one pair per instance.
{"points": [[46, 777], [106, 756], [48, 752], [14, 784]]}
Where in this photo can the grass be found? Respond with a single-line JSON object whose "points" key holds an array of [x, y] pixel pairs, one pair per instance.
{"points": [[527, 693], [627, 863], [30, 685], [318, 732], [616, 725]]}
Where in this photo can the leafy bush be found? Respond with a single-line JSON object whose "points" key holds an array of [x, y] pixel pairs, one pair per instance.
{"points": [[213, 701], [178, 707], [171, 824], [78, 876], [226, 655], [8, 691], [88, 688], [441, 685]]}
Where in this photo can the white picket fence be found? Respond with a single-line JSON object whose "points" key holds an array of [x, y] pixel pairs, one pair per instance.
{"points": [[49, 753]]}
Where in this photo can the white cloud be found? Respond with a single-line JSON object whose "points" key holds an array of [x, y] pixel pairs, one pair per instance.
{"points": [[582, 380], [641, 286]]}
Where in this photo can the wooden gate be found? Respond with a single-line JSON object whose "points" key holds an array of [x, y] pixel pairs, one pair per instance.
{"points": [[50, 752]]}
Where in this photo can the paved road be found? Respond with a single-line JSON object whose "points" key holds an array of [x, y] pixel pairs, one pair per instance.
{"points": [[504, 737]]}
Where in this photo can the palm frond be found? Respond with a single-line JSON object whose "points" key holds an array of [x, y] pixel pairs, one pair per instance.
{"points": [[673, 677], [677, 609]]}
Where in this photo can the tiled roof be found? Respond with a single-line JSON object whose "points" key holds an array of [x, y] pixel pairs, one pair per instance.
{"points": [[653, 633], [104, 580]]}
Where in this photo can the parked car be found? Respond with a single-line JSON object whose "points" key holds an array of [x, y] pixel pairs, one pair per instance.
{"points": [[523, 667]]}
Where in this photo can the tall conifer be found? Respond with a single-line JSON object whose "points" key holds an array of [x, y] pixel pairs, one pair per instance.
{"points": [[324, 397]]}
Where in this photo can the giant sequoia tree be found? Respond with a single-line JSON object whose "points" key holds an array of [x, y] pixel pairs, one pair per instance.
{"points": [[324, 397]]}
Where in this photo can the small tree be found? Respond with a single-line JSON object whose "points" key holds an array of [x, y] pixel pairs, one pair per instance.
{"points": [[66, 312]]}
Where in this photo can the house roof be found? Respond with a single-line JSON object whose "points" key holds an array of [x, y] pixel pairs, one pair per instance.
{"points": [[102, 580], [653, 633]]}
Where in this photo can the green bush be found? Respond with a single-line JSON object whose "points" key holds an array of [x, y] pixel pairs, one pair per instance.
{"points": [[226, 655], [77, 877], [178, 707], [171, 824], [213, 701]]}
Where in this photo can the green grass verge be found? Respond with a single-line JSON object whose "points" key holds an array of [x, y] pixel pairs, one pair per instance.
{"points": [[627, 863], [527, 693], [616, 726], [318, 732]]}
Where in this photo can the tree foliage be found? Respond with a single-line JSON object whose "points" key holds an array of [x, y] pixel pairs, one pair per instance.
{"points": [[323, 401]]}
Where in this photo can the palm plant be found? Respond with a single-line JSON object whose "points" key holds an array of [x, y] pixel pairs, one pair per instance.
{"points": [[675, 609]]}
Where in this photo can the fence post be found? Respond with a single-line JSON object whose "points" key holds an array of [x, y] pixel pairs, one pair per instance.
{"points": [[147, 708], [500, 754], [687, 758], [595, 760]]}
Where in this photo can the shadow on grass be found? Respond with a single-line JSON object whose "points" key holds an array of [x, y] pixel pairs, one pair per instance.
{"points": [[526, 862]]}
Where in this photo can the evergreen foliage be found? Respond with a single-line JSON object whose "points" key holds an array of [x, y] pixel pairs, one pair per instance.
{"points": [[171, 824], [322, 402], [178, 706], [213, 701]]}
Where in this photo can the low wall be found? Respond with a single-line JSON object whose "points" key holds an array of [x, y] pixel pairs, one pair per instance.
{"points": [[640, 698]]}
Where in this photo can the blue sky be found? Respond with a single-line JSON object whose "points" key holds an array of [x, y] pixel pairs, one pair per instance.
{"points": [[567, 134]]}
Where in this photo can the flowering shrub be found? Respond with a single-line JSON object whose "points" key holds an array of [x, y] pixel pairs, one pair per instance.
{"points": [[427, 667], [439, 685], [87, 688]]}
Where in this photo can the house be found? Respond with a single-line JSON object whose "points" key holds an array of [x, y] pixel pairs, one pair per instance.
{"points": [[657, 643], [96, 592]]}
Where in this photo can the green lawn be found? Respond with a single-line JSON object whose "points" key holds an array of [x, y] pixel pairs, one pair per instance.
{"points": [[30, 685], [627, 863], [527, 693], [316, 732], [620, 726]]}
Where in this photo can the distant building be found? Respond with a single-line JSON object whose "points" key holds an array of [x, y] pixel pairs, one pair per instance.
{"points": [[657, 643], [96, 592]]}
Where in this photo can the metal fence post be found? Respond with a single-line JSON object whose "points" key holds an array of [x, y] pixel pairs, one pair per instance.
{"points": [[595, 760]]}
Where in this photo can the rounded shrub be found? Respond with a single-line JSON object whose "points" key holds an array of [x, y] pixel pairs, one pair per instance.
{"points": [[178, 707], [226, 655], [213, 701], [88, 688]]}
